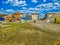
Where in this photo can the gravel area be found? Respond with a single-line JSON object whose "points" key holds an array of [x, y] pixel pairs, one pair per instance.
{"points": [[49, 26]]}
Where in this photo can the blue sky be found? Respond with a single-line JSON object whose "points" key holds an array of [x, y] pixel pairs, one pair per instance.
{"points": [[28, 6]]}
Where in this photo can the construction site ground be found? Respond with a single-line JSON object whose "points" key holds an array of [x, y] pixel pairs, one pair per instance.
{"points": [[48, 26]]}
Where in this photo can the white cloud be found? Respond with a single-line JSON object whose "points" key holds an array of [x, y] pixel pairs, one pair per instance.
{"points": [[31, 8], [49, 6], [22, 3], [1, 12], [23, 11], [34, 8], [44, 0], [1, 9], [10, 1], [35, 1], [24, 8], [9, 10], [17, 3]]}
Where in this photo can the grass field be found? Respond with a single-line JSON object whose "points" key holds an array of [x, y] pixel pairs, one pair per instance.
{"points": [[27, 34]]}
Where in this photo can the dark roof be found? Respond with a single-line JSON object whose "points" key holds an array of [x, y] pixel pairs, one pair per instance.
{"points": [[21, 13], [34, 13]]}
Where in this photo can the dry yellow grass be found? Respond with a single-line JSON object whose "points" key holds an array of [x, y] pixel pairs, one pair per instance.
{"points": [[26, 34]]}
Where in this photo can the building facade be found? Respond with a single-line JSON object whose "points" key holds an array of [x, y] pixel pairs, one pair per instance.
{"points": [[15, 17], [51, 16], [35, 16]]}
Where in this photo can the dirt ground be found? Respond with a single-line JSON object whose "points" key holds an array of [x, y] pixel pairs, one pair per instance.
{"points": [[49, 26], [28, 34]]}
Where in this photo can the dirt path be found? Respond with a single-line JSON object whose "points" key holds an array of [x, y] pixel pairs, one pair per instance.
{"points": [[49, 26]]}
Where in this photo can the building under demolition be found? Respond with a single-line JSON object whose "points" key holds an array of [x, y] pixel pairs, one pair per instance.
{"points": [[53, 17], [18, 17], [15, 17], [50, 17]]}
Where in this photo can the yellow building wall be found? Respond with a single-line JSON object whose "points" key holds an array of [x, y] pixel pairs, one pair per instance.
{"points": [[58, 20]]}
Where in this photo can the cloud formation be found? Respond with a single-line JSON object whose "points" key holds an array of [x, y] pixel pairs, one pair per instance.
{"points": [[44, 0], [49, 6], [16, 2], [7, 11], [35, 1], [39, 8]]}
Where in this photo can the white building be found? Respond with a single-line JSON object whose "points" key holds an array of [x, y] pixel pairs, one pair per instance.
{"points": [[35, 16]]}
